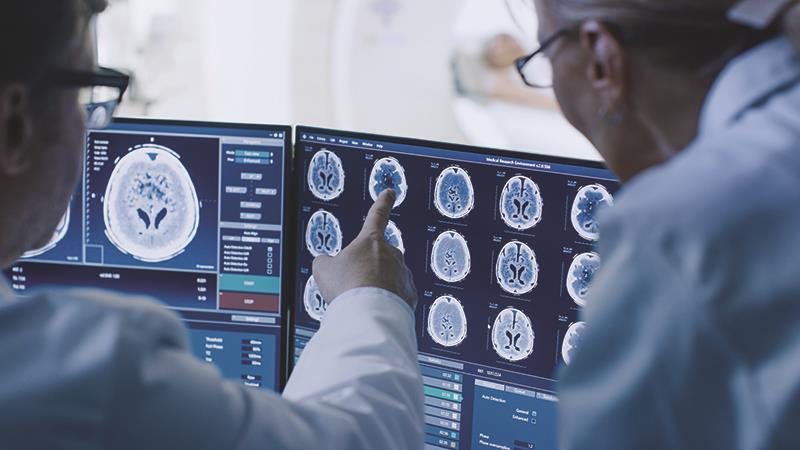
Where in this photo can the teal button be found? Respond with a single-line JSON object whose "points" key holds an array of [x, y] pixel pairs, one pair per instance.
{"points": [[249, 283]]}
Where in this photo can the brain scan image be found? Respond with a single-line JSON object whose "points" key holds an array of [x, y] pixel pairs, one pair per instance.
{"points": [[589, 201], [580, 275], [58, 235], [447, 323], [312, 300], [512, 335], [323, 234], [572, 341], [326, 175], [387, 173], [521, 203], [150, 207], [454, 196], [394, 237], [517, 270], [450, 258]]}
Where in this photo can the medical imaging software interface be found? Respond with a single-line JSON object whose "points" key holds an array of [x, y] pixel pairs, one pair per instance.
{"points": [[192, 216], [501, 248]]}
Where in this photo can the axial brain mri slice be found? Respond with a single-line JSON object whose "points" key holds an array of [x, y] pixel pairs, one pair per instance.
{"points": [[394, 237], [572, 341], [326, 175], [580, 275], [150, 207], [447, 322], [512, 335], [312, 300], [517, 270], [387, 173], [323, 234], [521, 203], [589, 201], [450, 258], [58, 235], [454, 196]]}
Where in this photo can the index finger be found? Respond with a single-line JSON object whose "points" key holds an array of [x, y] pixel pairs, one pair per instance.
{"points": [[378, 215]]}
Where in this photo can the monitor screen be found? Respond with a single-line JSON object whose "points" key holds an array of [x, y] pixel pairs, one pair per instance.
{"points": [[191, 214], [501, 248]]}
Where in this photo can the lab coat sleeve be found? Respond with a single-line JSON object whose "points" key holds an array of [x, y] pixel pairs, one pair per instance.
{"points": [[357, 386]]}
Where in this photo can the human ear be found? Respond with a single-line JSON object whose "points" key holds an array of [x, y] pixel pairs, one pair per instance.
{"points": [[16, 129], [607, 72]]}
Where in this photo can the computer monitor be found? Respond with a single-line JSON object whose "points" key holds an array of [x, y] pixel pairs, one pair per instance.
{"points": [[191, 214], [501, 248]]}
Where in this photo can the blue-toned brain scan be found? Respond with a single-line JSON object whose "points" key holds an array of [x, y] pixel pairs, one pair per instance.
{"points": [[572, 341], [58, 235], [580, 275], [150, 206], [447, 322], [394, 237], [512, 335], [517, 269], [326, 175], [521, 203], [312, 300], [450, 258], [387, 173], [454, 196], [323, 234], [589, 201]]}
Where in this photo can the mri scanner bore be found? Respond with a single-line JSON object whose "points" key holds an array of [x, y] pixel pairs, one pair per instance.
{"points": [[450, 257], [512, 335], [454, 196], [394, 237], [312, 300], [323, 234], [517, 270], [150, 207], [572, 341], [387, 173], [447, 322], [580, 275], [521, 203], [58, 235], [326, 175], [588, 203]]}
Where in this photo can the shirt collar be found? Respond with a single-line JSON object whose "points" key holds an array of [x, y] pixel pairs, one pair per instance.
{"points": [[749, 79]]}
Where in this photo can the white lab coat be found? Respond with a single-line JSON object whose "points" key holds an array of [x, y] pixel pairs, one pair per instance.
{"points": [[93, 370], [694, 318]]}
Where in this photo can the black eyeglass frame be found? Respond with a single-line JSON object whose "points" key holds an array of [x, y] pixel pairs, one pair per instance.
{"points": [[101, 77], [520, 63]]}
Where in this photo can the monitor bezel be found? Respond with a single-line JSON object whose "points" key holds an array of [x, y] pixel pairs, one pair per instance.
{"points": [[287, 279], [298, 171]]}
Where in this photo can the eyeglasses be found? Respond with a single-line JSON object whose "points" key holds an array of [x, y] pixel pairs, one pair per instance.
{"points": [[536, 69], [101, 91]]}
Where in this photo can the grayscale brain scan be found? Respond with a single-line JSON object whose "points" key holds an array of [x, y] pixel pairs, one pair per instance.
{"points": [[572, 341], [589, 201], [312, 300], [512, 335], [150, 206], [447, 322], [394, 237], [323, 234], [580, 275], [326, 175], [521, 203], [454, 196], [450, 257], [387, 173], [58, 235], [517, 269]]}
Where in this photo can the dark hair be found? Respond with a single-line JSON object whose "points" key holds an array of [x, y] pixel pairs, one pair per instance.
{"points": [[34, 34]]}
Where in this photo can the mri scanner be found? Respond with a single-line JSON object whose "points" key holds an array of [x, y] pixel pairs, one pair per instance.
{"points": [[384, 66]]}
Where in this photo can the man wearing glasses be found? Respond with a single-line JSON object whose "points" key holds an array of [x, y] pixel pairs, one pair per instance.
{"points": [[85, 369]]}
